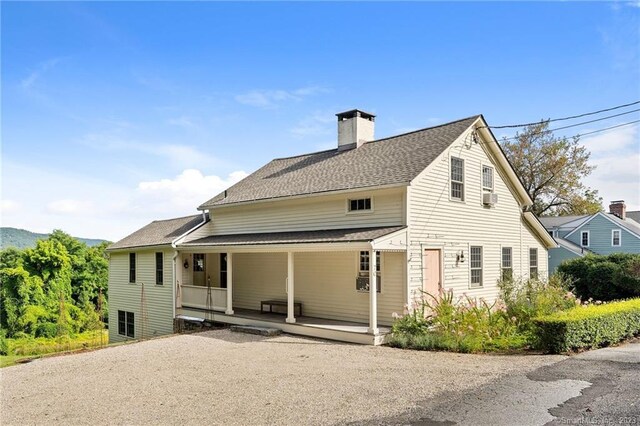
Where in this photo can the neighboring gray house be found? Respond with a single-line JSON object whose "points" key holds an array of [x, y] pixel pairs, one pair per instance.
{"points": [[305, 238], [600, 233]]}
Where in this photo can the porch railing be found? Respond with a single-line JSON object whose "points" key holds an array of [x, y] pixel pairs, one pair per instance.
{"points": [[199, 297]]}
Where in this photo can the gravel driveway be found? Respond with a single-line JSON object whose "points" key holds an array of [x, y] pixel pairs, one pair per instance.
{"points": [[221, 377]]}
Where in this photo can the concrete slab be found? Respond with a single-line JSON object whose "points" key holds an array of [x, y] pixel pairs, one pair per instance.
{"points": [[251, 329]]}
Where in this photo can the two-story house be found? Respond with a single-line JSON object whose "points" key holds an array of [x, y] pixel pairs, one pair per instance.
{"points": [[600, 233], [331, 244]]}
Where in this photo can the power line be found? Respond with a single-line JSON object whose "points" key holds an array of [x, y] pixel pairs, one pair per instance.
{"points": [[609, 128], [582, 124], [564, 118]]}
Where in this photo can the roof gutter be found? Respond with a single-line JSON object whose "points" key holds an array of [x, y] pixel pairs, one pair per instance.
{"points": [[204, 220], [533, 221]]}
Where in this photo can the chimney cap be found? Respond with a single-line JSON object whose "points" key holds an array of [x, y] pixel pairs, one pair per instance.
{"points": [[617, 202], [355, 113]]}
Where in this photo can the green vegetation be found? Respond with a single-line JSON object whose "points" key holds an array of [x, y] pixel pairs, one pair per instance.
{"points": [[54, 291], [589, 326], [604, 278], [470, 325], [21, 238]]}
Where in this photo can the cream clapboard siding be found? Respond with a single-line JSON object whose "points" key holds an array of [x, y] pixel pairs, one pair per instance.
{"points": [[324, 284], [436, 221], [125, 296], [311, 213]]}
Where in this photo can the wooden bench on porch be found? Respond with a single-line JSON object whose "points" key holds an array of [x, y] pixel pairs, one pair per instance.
{"points": [[271, 303]]}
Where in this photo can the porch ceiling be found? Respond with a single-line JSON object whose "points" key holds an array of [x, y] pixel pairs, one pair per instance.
{"points": [[353, 236]]}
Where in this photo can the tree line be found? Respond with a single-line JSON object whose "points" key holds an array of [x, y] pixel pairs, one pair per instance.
{"points": [[57, 288]]}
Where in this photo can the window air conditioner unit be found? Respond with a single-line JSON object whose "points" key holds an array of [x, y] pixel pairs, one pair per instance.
{"points": [[489, 199]]}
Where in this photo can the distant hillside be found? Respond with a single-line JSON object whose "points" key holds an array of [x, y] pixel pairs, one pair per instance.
{"points": [[21, 238]]}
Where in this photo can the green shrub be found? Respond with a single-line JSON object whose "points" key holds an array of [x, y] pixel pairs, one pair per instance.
{"points": [[4, 345], [531, 298], [612, 277], [47, 329], [460, 325], [585, 327]]}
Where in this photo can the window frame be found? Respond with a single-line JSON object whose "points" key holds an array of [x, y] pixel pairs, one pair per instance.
{"points": [[223, 272], [533, 269], [359, 211], [364, 273], [619, 231], [503, 268], [493, 177], [460, 182], [582, 233], [476, 268], [160, 269], [126, 324], [133, 260]]}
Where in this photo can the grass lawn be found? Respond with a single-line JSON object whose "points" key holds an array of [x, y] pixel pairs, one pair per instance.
{"points": [[9, 360]]}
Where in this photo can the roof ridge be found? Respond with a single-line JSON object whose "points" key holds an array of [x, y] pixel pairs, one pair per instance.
{"points": [[176, 218], [383, 139]]}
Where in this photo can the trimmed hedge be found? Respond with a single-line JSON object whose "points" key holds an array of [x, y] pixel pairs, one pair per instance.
{"points": [[587, 327]]}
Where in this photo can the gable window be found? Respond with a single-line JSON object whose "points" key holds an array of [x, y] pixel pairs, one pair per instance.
{"points": [[507, 263], [132, 267], [487, 178], [616, 238], [126, 323], [159, 268], [457, 178], [476, 265], [362, 281], [360, 204], [584, 238], [533, 262]]}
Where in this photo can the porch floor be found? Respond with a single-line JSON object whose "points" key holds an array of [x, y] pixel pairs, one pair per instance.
{"points": [[347, 331]]}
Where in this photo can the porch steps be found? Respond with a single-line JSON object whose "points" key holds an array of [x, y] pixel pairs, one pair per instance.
{"points": [[252, 329]]}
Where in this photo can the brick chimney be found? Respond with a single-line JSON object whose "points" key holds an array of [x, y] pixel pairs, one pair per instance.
{"points": [[355, 127], [618, 208]]}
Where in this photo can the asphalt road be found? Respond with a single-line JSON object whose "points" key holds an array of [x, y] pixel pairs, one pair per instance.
{"points": [[600, 387]]}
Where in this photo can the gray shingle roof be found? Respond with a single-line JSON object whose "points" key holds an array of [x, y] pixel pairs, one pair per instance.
{"points": [[393, 160], [158, 232], [297, 237], [555, 221], [635, 216], [631, 225]]}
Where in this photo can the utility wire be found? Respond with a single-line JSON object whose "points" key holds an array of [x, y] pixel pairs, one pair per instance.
{"points": [[564, 118], [582, 124], [609, 128]]}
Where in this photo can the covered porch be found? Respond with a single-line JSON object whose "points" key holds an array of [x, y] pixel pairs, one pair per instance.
{"points": [[321, 287]]}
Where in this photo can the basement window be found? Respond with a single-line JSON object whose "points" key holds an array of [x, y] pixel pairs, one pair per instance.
{"points": [[126, 321], [360, 204]]}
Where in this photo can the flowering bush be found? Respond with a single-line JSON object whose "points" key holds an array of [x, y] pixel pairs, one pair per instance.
{"points": [[461, 324]]}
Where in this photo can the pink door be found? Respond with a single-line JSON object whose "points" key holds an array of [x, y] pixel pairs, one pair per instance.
{"points": [[431, 273]]}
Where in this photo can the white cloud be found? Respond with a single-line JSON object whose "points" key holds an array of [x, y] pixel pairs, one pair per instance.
{"points": [[315, 125], [28, 82], [42, 200], [271, 98], [9, 206], [616, 155], [183, 121]]}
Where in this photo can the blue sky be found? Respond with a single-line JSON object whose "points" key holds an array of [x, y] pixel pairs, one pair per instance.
{"points": [[116, 114]]}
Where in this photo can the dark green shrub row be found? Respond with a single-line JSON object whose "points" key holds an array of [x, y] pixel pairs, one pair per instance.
{"points": [[612, 277], [586, 327]]}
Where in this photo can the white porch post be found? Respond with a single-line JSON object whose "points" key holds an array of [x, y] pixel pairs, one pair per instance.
{"points": [[373, 294], [290, 306], [229, 310]]}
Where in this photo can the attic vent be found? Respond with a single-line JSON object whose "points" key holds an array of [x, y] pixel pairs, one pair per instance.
{"points": [[489, 199]]}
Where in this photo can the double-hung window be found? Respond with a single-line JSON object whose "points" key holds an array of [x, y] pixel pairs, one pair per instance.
{"points": [[476, 266], [126, 324], [533, 262], [584, 238], [362, 282], [507, 263], [616, 238], [132, 267], [457, 179], [159, 268], [487, 178]]}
